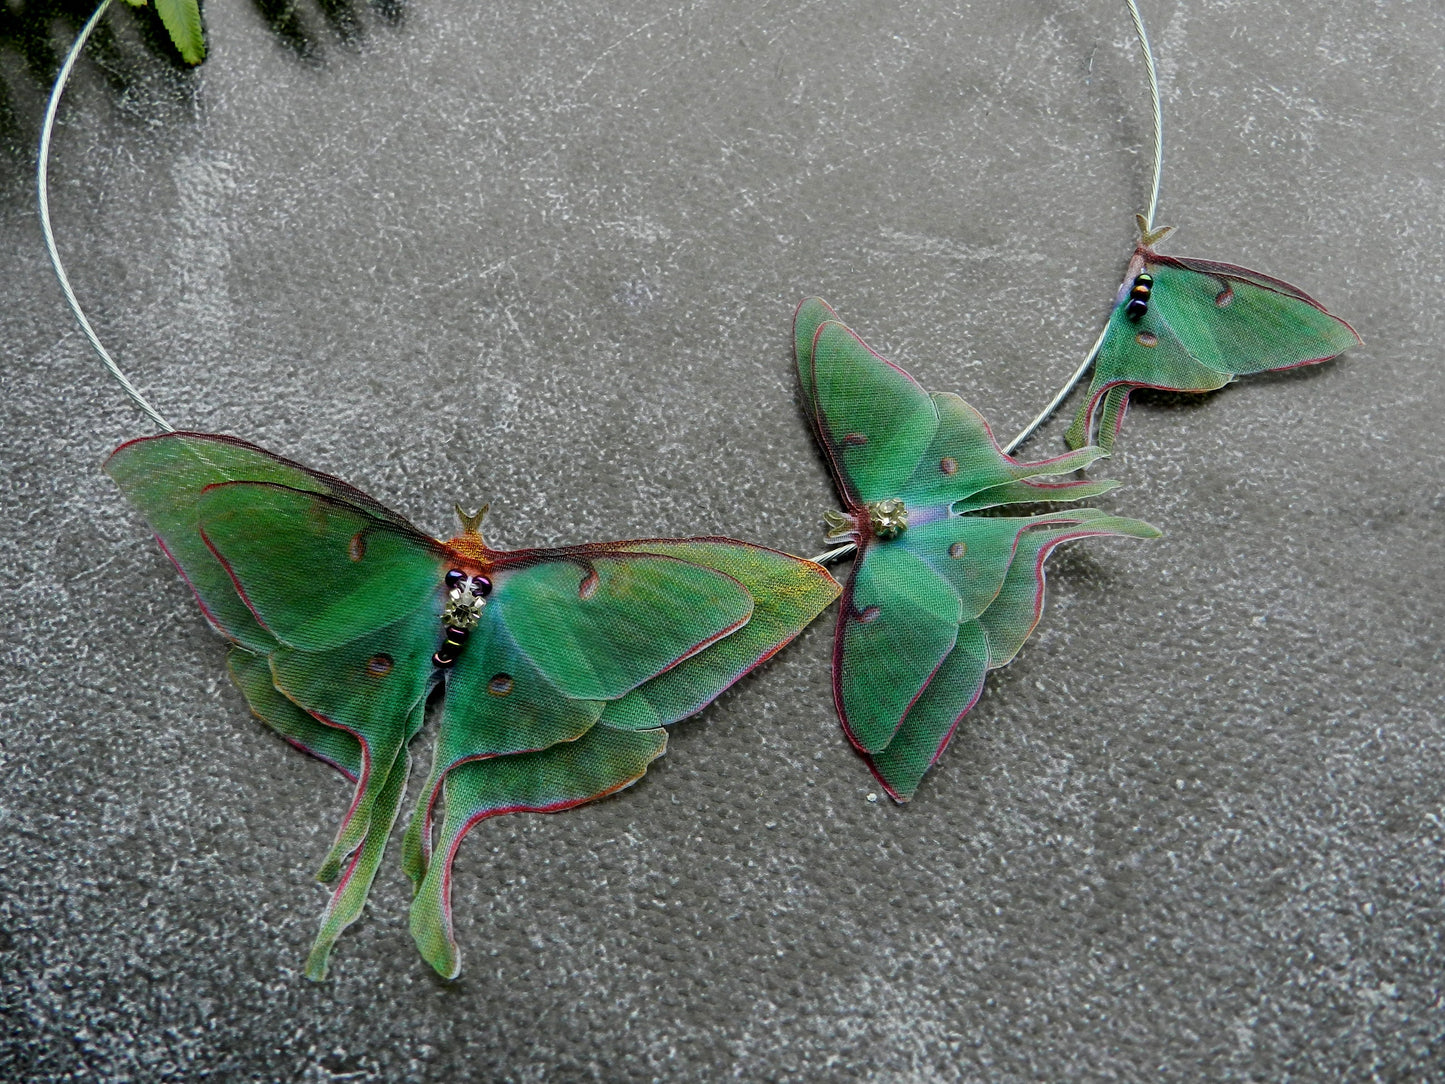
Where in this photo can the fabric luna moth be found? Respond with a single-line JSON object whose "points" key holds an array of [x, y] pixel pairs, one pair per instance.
{"points": [[1194, 325], [938, 596], [558, 668]]}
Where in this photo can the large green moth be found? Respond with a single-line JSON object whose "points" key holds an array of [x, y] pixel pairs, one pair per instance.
{"points": [[556, 669]]}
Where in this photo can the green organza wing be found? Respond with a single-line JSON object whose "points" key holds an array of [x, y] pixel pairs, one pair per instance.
{"points": [[370, 688], [599, 624], [810, 315], [354, 593], [994, 566], [252, 675], [873, 420], [927, 729], [887, 438], [355, 603], [511, 740], [600, 762], [1011, 617], [354, 883], [344, 751], [317, 572], [787, 593], [164, 476], [897, 623], [963, 469], [517, 703], [1193, 327], [901, 614], [497, 703]]}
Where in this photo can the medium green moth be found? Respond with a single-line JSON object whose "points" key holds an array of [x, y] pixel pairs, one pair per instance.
{"points": [[939, 595]]}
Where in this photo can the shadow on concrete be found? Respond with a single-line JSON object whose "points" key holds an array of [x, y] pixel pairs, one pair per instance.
{"points": [[133, 51]]}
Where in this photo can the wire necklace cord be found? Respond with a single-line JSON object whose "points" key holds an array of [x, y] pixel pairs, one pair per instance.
{"points": [[1153, 75], [1146, 222], [43, 200], [42, 193]]}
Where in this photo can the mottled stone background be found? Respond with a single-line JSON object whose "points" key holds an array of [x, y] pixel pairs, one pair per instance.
{"points": [[547, 254]]}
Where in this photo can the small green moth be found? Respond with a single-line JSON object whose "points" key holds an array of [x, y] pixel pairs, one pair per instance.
{"points": [[1194, 325]]}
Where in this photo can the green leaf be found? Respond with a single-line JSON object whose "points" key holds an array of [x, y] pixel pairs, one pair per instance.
{"points": [[182, 19]]}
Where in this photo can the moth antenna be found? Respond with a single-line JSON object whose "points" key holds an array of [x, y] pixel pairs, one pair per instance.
{"points": [[1149, 236], [471, 524], [42, 196]]}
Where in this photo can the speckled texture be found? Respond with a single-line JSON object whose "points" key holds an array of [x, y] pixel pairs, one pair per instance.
{"points": [[547, 255]]}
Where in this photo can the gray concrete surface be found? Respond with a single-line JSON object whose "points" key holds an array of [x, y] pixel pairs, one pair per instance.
{"points": [[547, 254]]}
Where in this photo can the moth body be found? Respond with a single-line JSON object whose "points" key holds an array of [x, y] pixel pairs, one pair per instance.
{"points": [[1139, 297], [466, 597]]}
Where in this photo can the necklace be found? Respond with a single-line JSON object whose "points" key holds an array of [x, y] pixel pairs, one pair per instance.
{"points": [[860, 520]]}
